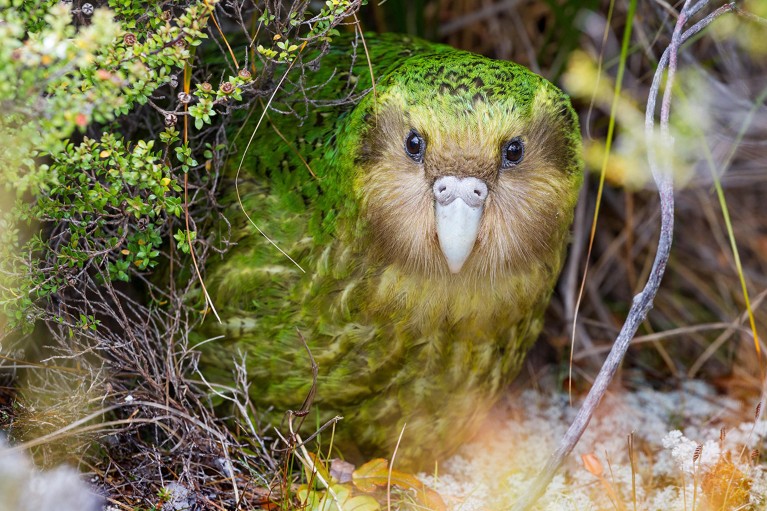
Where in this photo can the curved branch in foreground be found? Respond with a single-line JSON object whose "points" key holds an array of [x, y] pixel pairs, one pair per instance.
{"points": [[643, 301]]}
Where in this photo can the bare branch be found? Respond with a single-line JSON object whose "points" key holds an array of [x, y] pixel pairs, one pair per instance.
{"points": [[643, 301]]}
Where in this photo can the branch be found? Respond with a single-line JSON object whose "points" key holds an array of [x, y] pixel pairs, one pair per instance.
{"points": [[642, 302]]}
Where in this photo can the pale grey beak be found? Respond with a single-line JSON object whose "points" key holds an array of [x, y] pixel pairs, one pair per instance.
{"points": [[458, 208]]}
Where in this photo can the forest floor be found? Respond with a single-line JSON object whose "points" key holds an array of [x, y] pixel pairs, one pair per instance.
{"points": [[674, 450]]}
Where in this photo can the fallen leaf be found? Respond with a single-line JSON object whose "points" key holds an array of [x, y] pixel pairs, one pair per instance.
{"points": [[341, 470], [362, 503], [592, 464], [375, 474]]}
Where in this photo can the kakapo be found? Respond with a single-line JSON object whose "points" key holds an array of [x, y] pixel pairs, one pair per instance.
{"points": [[428, 220]]}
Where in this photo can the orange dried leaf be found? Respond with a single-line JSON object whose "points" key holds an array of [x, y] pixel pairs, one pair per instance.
{"points": [[371, 475], [432, 500], [375, 474], [404, 480], [592, 464]]}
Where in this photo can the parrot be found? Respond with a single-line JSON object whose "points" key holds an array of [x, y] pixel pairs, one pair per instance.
{"points": [[400, 223]]}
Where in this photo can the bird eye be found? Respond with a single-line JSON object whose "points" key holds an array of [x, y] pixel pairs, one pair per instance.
{"points": [[415, 146], [513, 152]]}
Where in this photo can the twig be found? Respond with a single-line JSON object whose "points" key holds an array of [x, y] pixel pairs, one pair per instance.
{"points": [[643, 301]]}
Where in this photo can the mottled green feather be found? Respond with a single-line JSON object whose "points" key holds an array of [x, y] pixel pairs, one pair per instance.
{"points": [[397, 337]]}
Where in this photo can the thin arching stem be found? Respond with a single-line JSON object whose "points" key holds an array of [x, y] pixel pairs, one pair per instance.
{"points": [[643, 301]]}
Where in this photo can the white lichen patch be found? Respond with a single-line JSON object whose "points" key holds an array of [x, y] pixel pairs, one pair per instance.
{"points": [[681, 456]]}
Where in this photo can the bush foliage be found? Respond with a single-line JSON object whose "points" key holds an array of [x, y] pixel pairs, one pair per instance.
{"points": [[84, 204], [114, 130]]}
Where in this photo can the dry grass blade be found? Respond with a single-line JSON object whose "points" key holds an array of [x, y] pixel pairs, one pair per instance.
{"points": [[192, 254], [79, 425], [359, 31], [245, 152], [728, 222], [391, 467], [211, 9], [602, 174]]}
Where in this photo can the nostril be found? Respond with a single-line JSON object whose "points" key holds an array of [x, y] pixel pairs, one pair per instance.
{"points": [[442, 189], [478, 193]]}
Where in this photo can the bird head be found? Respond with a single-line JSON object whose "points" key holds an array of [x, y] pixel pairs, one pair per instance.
{"points": [[465, 165]]}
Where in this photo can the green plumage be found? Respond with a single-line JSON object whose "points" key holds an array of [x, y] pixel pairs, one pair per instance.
{"points": [[398, 337]]}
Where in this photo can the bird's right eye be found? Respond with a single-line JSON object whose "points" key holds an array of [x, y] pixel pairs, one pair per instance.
{"points": [[415, 146]]}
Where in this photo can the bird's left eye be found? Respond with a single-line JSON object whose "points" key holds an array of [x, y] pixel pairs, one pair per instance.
{"points": [[415, 146], [513, 152]]}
